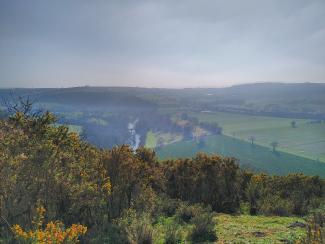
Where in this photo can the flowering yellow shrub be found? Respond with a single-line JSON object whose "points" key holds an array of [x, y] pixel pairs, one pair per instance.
{"points": [[54, 232]]}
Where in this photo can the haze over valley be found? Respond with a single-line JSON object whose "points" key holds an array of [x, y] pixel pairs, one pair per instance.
{"points": [[162, 122]]}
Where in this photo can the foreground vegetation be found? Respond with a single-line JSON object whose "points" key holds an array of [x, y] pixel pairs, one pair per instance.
{"points": [[126, 196]]}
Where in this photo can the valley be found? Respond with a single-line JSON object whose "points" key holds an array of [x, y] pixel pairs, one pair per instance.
{"points": [[247, 122]]}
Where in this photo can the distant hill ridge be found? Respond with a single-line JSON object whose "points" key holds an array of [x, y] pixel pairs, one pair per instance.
{"points": [[296, 100]]}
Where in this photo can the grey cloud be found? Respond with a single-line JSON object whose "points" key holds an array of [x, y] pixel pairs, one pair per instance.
{"points": [[155, 43]]}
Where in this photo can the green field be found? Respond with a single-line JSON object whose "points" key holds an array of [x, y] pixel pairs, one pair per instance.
{"points": [[151, 141], [306, 140], [259, 157], [239, 229], [158, 139], [243, 229]]}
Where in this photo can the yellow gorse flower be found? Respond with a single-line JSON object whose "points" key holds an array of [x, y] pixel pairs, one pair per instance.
{"points": [[54, 232]]}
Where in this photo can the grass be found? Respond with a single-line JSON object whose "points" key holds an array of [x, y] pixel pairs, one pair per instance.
{"points": [[151, 141], [241, 122], [238, 229], [243, 228], [163, 223], [259, 157], [306, 140], [157, 139]]}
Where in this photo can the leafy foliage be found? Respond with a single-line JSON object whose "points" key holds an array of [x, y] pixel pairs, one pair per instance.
{"points": [[294, 194], [137, 227], [119, 195], [213, 181], [43, 163], [54, 232], [172, 235], [315, 227], [204, 228]]}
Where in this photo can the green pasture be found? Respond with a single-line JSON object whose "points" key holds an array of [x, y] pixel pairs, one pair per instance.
{"points": [[245, 229], [157, 139], [259, 157], [238, 229], [307, 139], [151, 141]]}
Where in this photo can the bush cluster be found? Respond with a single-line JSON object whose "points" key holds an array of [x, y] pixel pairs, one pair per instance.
{"points": [[110, 191]]}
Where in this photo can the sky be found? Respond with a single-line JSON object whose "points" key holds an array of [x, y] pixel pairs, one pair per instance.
{"points": [[167, 43]]}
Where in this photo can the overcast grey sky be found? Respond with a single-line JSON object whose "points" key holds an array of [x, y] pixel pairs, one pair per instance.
{"points": [[168, 43]]}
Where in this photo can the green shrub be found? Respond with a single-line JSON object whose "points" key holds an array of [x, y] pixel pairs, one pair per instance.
{"points": [[316, 203], [186, 212], [294, 194], [110, 234], [172, 235], [244, 208], [166, 206], [138, 228], [144, 234], [276, 206], [315, 229], [204, 228]]}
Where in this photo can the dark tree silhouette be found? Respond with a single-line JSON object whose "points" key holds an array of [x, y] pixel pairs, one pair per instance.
{"points": [[24, 105]]}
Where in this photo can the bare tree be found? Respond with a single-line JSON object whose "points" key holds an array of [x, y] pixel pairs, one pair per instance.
{"points": [[20, 104]]}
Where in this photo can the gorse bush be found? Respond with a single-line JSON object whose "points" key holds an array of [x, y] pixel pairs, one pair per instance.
{"points": [[41, 162], [186, 212], [133, 179], [211, 180], [202, 219], [172, 235], [79, 183], [204, 228], [54, 232], [166, 206], [315, 229], [275, 205], [47, 163], [138, 228], [294, 194]]}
